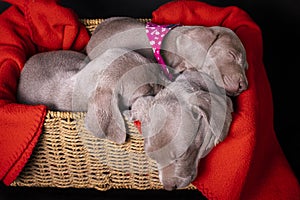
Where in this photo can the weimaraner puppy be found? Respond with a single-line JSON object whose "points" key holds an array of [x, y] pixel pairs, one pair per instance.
{"points": [[182, 124], [215, 50], [65, 80]]}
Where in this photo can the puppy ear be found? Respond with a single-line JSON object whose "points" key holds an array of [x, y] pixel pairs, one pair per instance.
{"points": [[103, 118], [216, 111]]}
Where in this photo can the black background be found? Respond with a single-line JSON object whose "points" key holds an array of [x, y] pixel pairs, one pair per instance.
{"points": [[279, 21]]}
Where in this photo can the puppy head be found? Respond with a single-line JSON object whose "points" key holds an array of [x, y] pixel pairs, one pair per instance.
{"points": [[164, 140], [179, 128], [226, 59], [183, 169], [216, 51]]}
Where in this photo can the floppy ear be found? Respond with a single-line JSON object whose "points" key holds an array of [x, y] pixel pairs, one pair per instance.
{"points": [[194, 42], [216, 111], [103, 118]]}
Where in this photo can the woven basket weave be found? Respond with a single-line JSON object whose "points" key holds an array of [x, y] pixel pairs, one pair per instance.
{"points": [[68, 156]]}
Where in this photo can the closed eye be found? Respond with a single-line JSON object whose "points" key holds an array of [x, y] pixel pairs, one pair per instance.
{"points": [[232, 55]]}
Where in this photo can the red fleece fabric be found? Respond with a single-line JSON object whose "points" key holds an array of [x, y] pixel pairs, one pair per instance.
{"points": [[26, 28], [249, 164]]}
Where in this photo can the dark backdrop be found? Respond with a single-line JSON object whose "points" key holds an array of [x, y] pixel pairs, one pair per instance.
{"points": [[279, 21]]}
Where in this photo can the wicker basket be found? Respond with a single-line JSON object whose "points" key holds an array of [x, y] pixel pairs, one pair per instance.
{"points": [[68, 156]]}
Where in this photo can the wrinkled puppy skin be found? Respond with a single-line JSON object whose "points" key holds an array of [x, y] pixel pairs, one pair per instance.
{"points": [[216, 51], [182, 124]]}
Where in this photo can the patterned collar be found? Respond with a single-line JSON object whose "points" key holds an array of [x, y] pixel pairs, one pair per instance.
{"points": [[156, 34]]}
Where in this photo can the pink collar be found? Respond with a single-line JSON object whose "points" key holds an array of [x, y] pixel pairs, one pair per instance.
{"points": [[156, 34]]}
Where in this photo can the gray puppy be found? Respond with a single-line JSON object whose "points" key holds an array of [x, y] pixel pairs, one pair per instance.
{"points": [[104, 87], [182, 124], [216, 50]]}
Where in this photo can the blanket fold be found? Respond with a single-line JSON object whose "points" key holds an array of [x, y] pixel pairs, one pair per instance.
{"points": [[28, 27], [250, 163]]}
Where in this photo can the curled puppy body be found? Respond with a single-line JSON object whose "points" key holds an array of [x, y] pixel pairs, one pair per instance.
{"points": [[119, 32], [103, 87], [216, 51], [182, 124], [48, 78]]}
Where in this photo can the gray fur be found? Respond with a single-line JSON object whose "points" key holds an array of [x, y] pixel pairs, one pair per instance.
{"points": [[216, 50], [103, 87], [128, 77], [48, 78], [181, 120], [182, 124]]}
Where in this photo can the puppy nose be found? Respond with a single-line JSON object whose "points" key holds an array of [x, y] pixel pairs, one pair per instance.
{"points": [[171, 187], [170, 184], [177, 183], [242, 86]]}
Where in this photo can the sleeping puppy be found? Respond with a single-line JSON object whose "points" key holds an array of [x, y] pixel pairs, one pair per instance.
{"points": [[48, 78], [65, 80], [215, 50], [182, 124]]}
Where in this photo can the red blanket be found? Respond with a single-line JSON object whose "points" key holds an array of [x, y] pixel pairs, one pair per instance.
{"points": [[249, 164], [26, 28]]}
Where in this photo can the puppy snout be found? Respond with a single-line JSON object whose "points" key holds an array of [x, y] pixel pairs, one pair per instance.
{"points": [[242, 86], [176, 183], [170, 187], [234, 85]]}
